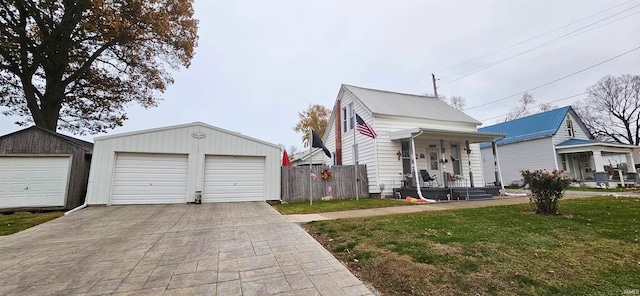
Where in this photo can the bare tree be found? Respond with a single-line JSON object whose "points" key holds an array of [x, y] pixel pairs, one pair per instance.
{"points": [[520, 110], [546, 107], [457, 102], [292, 151], [612, 110]]}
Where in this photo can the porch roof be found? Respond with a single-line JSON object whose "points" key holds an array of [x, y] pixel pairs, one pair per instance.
{"points": [[471, 136], [581, 145]]}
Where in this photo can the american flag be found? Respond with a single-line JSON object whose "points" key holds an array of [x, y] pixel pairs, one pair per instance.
{"points": [[364, 128]]}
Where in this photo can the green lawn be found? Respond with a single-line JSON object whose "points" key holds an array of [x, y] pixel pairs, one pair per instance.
{"points": [[320, 206], [13, 223], [592, 248]]}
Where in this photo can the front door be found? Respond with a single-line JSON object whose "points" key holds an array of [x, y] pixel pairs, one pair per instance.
{"points": [[434, 162]]}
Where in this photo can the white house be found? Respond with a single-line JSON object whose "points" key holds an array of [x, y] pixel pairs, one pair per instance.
{"points": [[302, 158], [175, 164], [557, 139], [414, 133]]}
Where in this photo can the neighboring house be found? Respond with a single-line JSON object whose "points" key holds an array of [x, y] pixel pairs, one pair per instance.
{"points": [[445, 139], [557, 139], [177, 163], [41, 169], [302, 158]]}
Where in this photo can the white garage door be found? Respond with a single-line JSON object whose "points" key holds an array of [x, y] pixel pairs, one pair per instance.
{"points": [[142, 178], [233, 178], [33, 181]]}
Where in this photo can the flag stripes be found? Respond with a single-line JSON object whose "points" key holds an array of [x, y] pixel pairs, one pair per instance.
{"points": [[364, 128]]}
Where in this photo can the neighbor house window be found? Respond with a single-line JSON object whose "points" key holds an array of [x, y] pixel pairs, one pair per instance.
{"points": [[564, 162], [570, 131]]}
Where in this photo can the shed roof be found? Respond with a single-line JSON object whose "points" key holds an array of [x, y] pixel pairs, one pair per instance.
{"points": [[398, 104], [74, 141], [531, 127]]}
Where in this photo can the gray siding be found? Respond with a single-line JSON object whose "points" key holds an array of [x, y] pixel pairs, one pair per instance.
{"points": [[532, 155], [34, 142]]}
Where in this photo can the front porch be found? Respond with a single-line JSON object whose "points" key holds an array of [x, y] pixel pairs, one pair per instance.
{"points": [[443, 165], [598, 164], [450, 193]]}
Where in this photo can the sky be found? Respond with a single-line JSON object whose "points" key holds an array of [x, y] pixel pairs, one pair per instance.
{"points": [[259, 63]]}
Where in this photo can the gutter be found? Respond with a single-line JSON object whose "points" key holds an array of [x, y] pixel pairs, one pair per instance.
{"points": [[415, 167], [77, 208]]}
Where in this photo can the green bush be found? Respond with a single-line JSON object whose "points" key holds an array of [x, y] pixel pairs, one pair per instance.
{"points": [[547, 188]]}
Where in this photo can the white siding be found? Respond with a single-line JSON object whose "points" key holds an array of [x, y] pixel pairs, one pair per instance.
{"points": [[180, 140], [532, 155], [562, 134], [366, 146]]}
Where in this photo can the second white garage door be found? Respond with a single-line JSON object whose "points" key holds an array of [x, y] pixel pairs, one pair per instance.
{"points": [[233, 178], [145, 178]]}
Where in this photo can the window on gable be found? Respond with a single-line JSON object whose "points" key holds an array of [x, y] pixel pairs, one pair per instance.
{"points": [[348, 118], [352, 117], [344, 119], [570, 130]]}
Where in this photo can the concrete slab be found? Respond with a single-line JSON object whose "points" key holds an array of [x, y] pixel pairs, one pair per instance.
{"points": [[243, 248]]}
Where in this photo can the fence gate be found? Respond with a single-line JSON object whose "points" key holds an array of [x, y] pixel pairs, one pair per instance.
{"points": [[295, 182]]}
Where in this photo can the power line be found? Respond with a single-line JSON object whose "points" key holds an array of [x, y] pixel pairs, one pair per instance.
{"points": [[565, 98], [558, 39], [556, 80], [532, 38]]}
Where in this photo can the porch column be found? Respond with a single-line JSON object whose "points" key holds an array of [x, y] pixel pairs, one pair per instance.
{"points": [[631, 166], [597, 160], [601, 176], [495, 162], [443, 161], [469, 159]]}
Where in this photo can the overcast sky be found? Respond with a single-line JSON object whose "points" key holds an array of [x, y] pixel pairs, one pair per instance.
{"points": [[259, 63]]}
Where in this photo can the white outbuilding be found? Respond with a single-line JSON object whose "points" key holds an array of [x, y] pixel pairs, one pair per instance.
{"points": [[177, 163]]}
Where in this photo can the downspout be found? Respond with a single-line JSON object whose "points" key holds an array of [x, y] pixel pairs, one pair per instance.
{"points": [[77, 208], [415, 167]]}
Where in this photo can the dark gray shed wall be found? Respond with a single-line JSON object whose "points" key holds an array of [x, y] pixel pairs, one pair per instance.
{"points": [[36, 141]]}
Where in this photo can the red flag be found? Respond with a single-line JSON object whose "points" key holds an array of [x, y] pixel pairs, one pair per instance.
{"points": [[285, 159]]}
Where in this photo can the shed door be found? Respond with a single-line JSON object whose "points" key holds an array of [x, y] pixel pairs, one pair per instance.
{"points": [[27, 181], [145, 178], [233, 178]]}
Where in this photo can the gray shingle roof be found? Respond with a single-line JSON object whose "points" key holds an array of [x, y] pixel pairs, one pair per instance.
{"points": [[398, 104]]}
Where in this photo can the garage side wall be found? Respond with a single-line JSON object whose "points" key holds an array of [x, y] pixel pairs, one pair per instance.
{"points": [[33, 142], [196, 141]]}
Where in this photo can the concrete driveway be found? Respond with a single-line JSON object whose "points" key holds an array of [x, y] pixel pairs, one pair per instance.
{"points": [[209, 249]]}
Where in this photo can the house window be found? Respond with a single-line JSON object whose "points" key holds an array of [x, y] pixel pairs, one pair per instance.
{"points": [[344, 119], [406, 158], [570, 130], [333, 157], [348, 118], [455, 159]]}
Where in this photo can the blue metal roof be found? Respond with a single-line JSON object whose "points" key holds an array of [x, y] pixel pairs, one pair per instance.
{"points": [[535, 126], [578, 142]]}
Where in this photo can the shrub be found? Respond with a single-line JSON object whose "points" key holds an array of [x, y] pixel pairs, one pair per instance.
{"points": [[547, 188]]}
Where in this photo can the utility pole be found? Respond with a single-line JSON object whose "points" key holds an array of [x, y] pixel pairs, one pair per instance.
{"points": [[435, 88]]}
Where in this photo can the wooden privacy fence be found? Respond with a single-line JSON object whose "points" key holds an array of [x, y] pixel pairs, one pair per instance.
{"points": [[295, 182]]}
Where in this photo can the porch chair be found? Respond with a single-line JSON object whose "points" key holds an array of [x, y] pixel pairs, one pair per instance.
{"points": [[426, 178]]}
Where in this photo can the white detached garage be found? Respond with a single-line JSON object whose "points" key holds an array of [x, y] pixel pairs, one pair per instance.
{"points": [[169, 165]]}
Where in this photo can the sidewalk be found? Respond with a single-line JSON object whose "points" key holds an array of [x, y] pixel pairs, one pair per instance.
{"points": [[438, 206]]}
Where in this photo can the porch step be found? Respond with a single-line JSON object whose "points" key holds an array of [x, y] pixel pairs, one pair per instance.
{"points": [[474, 194]]}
